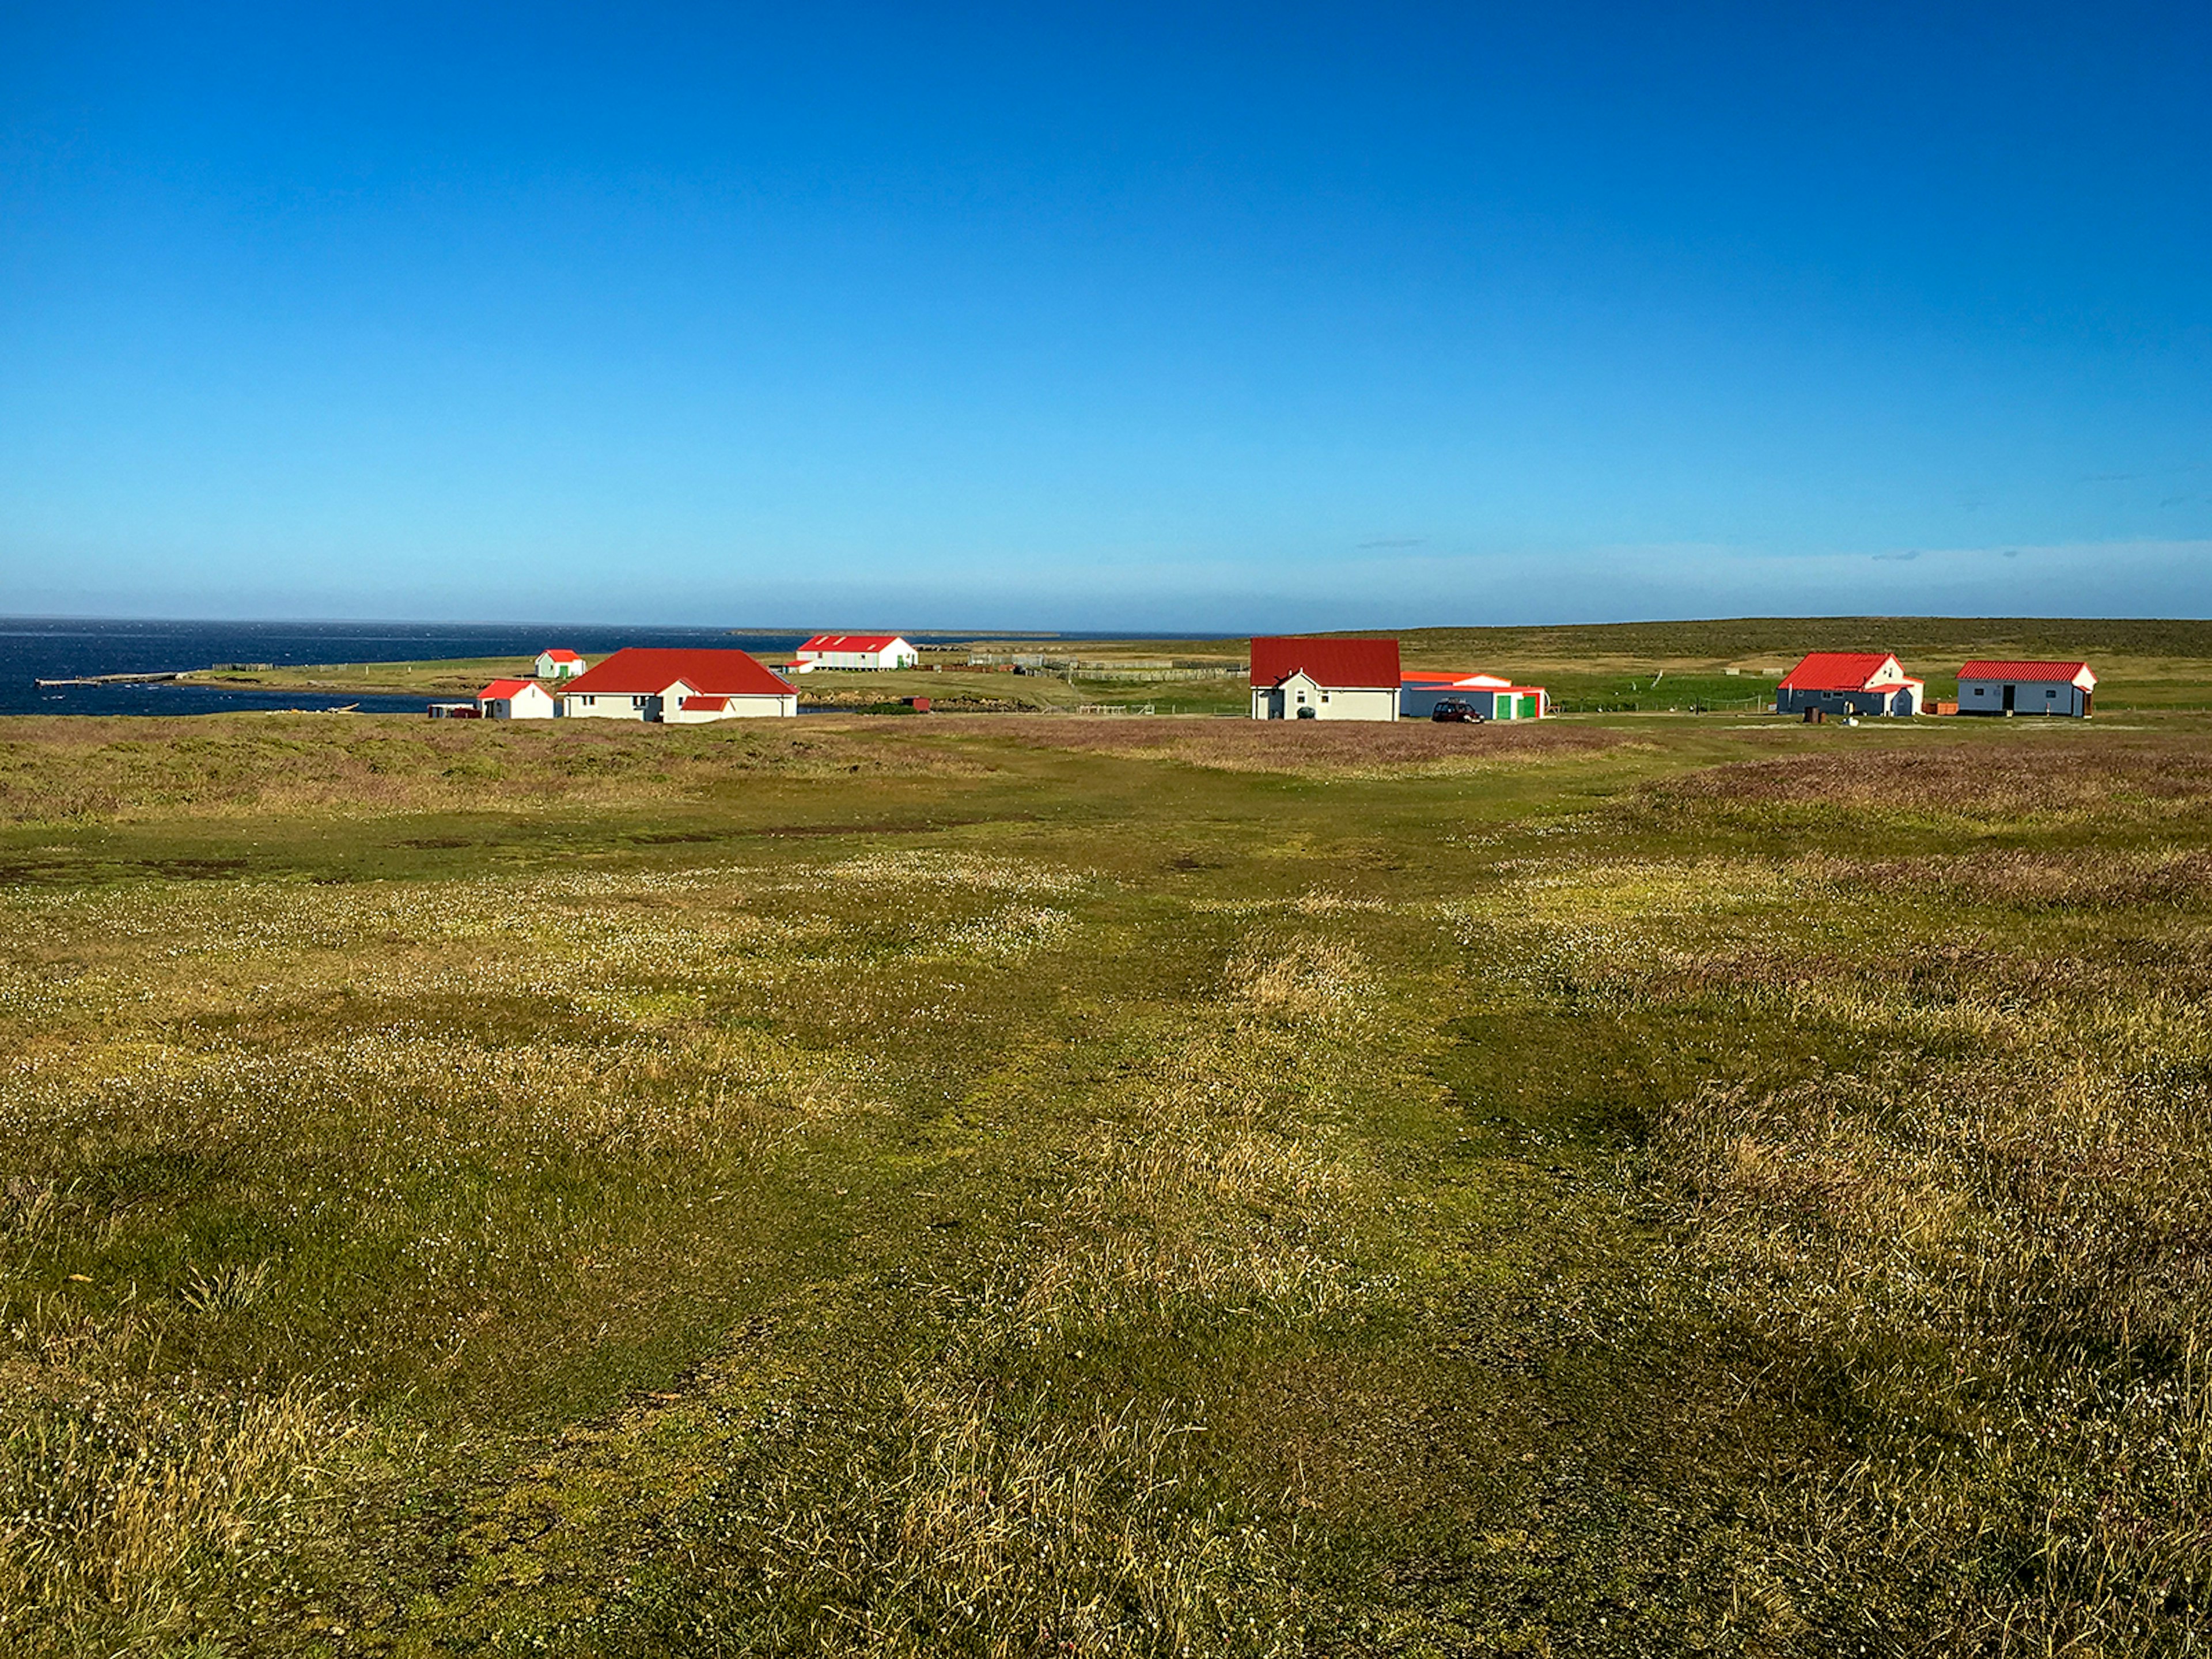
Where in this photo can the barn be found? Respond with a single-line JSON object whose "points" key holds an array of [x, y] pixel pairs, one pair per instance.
{"points": [[558, 664], [1493, 696], [677, 687], [515, 700], [1990, 686], [857, 651], [1296, 677], [1850, 683]]}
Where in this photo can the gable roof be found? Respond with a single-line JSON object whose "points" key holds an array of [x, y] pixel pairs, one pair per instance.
{"points": [[1352, 662], [506, 688], [1841, 671], [559, 655], [650, 670], [852, 642], [2066, 673]]}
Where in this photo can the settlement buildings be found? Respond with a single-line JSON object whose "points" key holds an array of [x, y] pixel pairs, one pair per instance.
{"points": [[1493, 697], [1850, 683], [857, 651], [677, 687], [515, 700], [1310, 679], [2026, 688], [559, 665]]}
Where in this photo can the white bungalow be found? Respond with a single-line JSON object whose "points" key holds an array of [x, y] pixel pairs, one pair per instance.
{"points": [[559, 665], [857, 651], [1296, 678], [1987, 687], [677, 688], [515, 700]]}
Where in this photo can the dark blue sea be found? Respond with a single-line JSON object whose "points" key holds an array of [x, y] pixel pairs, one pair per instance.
{"points": [[35, 648]]}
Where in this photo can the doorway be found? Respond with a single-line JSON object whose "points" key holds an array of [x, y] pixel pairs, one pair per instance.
{"points": [[2009, 691]]}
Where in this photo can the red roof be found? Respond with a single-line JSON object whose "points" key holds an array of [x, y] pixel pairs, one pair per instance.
{"points": [[706, 705], [1840, 671], [562, 656], [851, 642], [2064, 672], [505, 688], [651, 670], [1351, 663]]}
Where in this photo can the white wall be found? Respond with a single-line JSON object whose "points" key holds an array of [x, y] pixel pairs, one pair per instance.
{"points": [[604, 706], [2029, 697], [1328, 703], [745, 707]]}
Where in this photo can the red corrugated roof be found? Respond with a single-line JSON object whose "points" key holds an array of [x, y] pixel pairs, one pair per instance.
{"points": [[1837, 671], [2063, 672], [850, 642], [703, 704], [651, 670], [506, 688], [1349, 663]]}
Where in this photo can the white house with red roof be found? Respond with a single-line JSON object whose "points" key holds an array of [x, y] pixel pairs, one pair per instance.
{"points": [[515, 700], [857, 651], [558, 664], [1850, 683], [677, 687], [1296, 678], [1992, 686], [1494, 696]]}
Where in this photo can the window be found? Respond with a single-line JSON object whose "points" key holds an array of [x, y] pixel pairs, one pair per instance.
{"points": [[1981, 691], [2052, 692], [1324, 696]]}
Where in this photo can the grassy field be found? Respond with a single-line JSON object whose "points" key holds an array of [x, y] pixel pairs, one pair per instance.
{"points": [[1028, 1186]]}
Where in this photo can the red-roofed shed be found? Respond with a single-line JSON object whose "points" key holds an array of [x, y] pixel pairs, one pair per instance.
{"points": [[1997, 686]]}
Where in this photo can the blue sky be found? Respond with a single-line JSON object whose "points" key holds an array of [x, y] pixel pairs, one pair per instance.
{"points": [[1215, 317]]}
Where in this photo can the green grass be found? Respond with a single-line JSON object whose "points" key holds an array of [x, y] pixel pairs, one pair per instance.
{"points": [[1010, 1187]]}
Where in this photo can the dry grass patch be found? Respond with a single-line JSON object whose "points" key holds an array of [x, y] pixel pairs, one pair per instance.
{"points": [[1340, 748], [57, 770]]}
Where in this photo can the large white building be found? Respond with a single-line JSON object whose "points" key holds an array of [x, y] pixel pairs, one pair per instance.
{"points": [[1987, 687], [857, 651], [677, 687], [1296, 678]]}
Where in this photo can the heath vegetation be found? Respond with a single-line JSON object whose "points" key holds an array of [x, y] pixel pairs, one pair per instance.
{"points": [[1011, 1187]]}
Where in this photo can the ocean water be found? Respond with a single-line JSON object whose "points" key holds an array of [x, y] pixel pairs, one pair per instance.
{"points": [[35, 648]]}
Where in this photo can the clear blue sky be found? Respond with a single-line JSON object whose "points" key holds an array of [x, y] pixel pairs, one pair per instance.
{"points": [[1207, 316]]}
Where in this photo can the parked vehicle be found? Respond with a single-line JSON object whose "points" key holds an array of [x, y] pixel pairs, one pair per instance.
{"points": [[1457, 709]]}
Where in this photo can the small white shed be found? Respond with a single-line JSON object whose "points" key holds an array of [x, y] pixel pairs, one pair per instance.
{"points": [[515, 700]]}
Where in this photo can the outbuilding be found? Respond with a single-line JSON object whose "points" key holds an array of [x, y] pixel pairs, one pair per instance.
{"points": [[1990, 686], [1850, 683], [1494, 696], [515, 700], [677, 687], [558, 664], [857, 651], [1303, 679]]}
